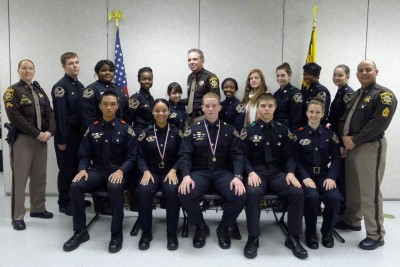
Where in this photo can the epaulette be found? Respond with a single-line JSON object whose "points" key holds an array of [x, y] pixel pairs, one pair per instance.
{"points": [[123, 122], [253, 123], [301, 129], [95, 122]]}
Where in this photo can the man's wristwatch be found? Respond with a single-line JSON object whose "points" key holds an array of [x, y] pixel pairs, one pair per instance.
{"points": [[240, 177]]}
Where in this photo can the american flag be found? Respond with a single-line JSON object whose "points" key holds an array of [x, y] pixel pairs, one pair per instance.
{"points": [[120, 75]]}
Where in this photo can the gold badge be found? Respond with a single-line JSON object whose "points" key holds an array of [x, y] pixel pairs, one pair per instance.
{"points": [[97, 135], [59, 92], [173, 115], [297, 98], [9, 105], [387, 98], [214, 82], [240, 108], [8, 94], [305, 142], [335, 138], [133, 103], [201, 83], [367, 99], [88, 93], [385, 112]]}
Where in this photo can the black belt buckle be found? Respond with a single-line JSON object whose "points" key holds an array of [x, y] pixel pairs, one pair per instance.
{"points": [[316, 170]]}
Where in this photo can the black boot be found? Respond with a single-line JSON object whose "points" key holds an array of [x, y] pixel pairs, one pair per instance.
{"points": [[250, 250], [292, 242]]}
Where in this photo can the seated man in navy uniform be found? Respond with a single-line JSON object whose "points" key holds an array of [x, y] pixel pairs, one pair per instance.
{"points": [[211, 157], [107, 153], [270, 165]]}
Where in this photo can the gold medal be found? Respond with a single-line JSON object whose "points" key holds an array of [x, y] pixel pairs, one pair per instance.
{"points": [[214, 159]]}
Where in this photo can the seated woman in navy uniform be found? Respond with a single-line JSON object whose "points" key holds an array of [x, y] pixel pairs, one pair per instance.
{"points": [[157, 161], [140, 103], [178, 114], [315, 148], [233, 112]]}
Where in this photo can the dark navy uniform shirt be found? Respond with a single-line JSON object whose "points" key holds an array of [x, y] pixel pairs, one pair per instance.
{"points": [[149, 158], [233, 112], [373, 113], [289, 110], [91, 99], [67, 104], [177, 115], [255, 143], [316, 90], [206, 81], [140, 107], [338, 106], [195, 152], [108, 146], [317, 148]]}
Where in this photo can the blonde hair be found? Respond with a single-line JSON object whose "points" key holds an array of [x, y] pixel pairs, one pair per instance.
{"points": [[257, 91]]}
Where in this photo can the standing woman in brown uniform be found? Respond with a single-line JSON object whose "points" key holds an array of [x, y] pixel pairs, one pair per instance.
{"points": [[28, 109]]}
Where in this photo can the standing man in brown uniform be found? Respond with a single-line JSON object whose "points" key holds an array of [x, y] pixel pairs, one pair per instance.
{"points": [[200, 82], [368, 115], [28, 109]]}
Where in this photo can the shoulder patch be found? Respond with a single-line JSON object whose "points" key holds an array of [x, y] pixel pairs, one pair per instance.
{"points": [[298, 98], [9, 105], [131, 132], [141, 136], [59, 92], [243, 134], [335, 138], [321, 95], [387, 98], [8, 94], [180, 133], [133, 103], [240, 108], [88, 93], [385, 112], [214, 83], [87, 131], [187, 132], [236, 133]]}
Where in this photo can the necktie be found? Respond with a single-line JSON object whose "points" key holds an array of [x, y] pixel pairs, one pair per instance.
{"points": [[346, 127], [107, 145], [315, 146], [268, 144], [37, 108], [191, 97]]}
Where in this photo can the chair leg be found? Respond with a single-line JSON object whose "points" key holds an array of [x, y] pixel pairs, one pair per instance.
{"points": [[136, 227], [236, 232], [96, 216], [338, 236], [281, 221], [185, 226]]}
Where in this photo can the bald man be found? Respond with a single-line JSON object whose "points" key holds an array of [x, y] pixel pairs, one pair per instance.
{"points": [[368, 115]]}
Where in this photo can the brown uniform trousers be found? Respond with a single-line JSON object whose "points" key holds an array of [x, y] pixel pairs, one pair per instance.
{"points": [[29, 160], [365, 166]]}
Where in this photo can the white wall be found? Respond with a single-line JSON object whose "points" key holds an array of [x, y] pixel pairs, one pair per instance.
{"points": [[235, 35]]}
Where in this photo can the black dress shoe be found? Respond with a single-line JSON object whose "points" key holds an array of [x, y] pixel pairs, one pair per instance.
{"points": [[144, 242], [224, 240], [44, 215], [312, 241], [327, 239], [371, 244], [344, 226], [172, 241], [199, 239], [18, 225], [250, 250], [292, 242], [66, 210], [78, 238], [115, 244]]}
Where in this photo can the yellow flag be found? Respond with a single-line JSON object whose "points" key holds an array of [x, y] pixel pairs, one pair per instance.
{"points": [[312, 48]]}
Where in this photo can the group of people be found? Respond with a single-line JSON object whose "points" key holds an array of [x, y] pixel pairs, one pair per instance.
{"points": [[294, 143]]}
